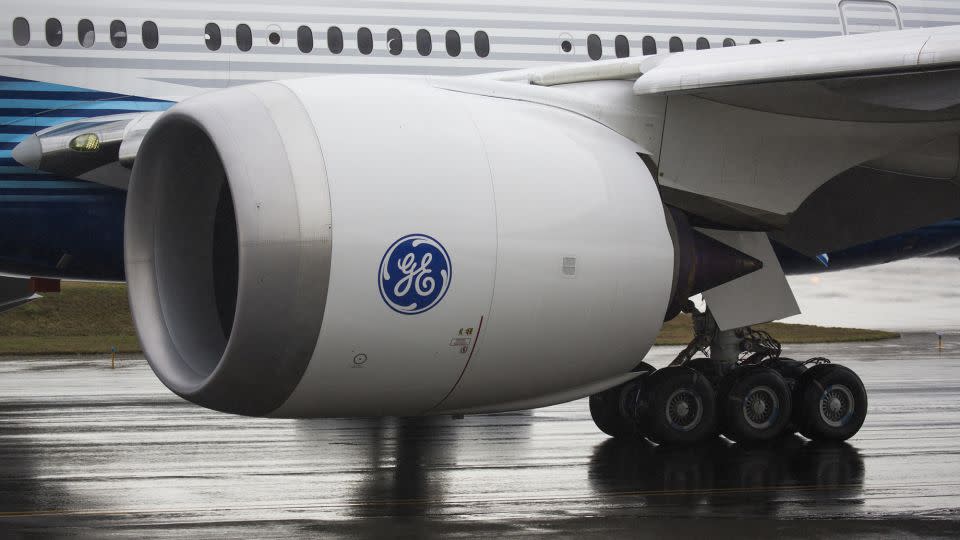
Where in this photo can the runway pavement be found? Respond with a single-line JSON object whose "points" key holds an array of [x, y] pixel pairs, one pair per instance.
{"points": [[92, 451]]}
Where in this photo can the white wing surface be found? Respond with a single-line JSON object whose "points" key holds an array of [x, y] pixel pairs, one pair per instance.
{"points": [[821, 144]]}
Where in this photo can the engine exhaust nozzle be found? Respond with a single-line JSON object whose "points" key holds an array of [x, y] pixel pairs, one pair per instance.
{"points": [[701, 263]]}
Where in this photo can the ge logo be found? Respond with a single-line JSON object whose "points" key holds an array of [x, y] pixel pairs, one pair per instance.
{"points": [[414, 275]]}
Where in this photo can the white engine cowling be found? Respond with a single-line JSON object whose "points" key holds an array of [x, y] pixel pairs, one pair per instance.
{"points": [[351, 246]]}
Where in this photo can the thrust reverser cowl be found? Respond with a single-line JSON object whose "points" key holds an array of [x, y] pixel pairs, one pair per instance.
{"points": [[701, 262], [263, 224]]}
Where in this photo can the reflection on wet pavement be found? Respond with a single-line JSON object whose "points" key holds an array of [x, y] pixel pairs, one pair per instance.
{"points": [[721, 473], [85, 448]]}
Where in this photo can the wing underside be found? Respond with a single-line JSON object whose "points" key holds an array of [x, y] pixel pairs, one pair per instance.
{"points": [[821, 144]]}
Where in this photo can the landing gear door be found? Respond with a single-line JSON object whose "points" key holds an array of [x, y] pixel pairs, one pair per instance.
{"points": [[864, 16]]}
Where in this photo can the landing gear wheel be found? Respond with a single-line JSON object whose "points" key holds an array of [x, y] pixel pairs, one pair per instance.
{"points": [[682, 406], [605, 410], [791, 370], [609, 410], [755, 405], [708, 367], [833, 403]]}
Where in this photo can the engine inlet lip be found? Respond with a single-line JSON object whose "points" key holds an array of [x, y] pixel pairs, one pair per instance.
{"points": [[282, 285]]}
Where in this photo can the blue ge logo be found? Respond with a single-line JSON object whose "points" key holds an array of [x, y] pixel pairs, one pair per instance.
{"points": [[414, 275]]}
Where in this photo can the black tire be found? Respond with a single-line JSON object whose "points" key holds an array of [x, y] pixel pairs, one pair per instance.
{"points": [[709, 367], [833, 403], [755, 405], [682, 407], [609, 410], [791, 370], [605, 411]]}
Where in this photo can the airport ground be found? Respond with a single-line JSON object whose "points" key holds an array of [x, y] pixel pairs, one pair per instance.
{"points": [[90, 451]]}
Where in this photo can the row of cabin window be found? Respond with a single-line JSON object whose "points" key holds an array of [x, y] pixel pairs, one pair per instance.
{"points": [[244, 37], [86, 35], [621, 45]]}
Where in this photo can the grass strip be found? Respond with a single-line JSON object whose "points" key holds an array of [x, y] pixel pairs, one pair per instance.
{"points": [[92, 318]]}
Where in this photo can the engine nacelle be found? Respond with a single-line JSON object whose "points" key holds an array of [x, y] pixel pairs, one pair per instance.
{"points": [[350, 246]]}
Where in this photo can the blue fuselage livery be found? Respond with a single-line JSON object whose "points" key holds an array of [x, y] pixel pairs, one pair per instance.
{"points": [[67, 61], [56, 226]]}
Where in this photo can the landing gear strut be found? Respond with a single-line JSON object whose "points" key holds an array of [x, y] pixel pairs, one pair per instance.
{"points": [[740, 387]]}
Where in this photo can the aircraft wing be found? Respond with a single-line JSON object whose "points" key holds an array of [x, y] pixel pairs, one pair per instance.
{"points": [[822, 144], [750, 133], [99, 149], [908, 51]]}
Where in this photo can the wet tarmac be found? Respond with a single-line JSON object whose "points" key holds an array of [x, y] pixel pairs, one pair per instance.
{"points": [[90, 451]]}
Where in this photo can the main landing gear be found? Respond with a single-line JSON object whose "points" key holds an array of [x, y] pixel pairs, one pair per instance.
{"points": [[742, 389]]}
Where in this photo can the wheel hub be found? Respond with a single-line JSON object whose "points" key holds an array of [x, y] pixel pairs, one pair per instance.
{"points": [[761, 407], [836, 405], [684, 409]]}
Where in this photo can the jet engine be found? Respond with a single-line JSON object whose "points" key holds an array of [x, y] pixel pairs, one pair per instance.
{"points": [[352, 246]]}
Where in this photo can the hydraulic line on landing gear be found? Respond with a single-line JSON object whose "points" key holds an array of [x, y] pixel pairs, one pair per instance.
{"points": [[753, 347]]}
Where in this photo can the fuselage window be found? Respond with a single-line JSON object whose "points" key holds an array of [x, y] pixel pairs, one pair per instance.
{"points": [[335, 40], [481, 44], [365, 40], [305, 39], [754, 41], [273, 37], [54, 32], [150, 34], [594, 47], [703, 43], [85, 33], [424, 42], [244, 37], [118, 34], [649, 45], [622, 46], [21, 31], [211, 36], [394, 41], [676, 44], [454, 46], [729, 42]]}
